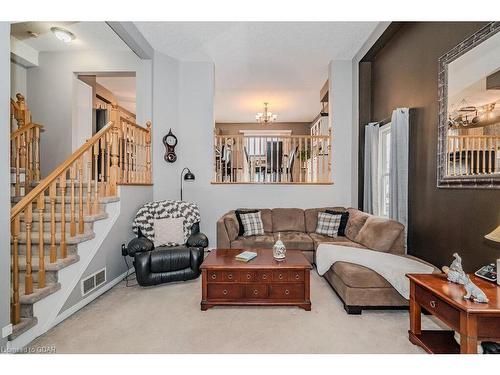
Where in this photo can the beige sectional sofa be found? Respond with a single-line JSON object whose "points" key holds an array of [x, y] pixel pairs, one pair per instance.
{"points": [[358, 287]]}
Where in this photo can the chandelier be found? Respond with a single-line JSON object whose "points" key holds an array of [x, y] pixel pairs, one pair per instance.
{"points": [[266, 117]]}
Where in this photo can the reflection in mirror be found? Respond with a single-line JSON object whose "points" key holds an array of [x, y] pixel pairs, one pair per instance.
{"points": [[473, 112]]}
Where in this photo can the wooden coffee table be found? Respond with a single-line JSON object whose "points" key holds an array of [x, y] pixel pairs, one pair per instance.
{"points": [[262, 281]]}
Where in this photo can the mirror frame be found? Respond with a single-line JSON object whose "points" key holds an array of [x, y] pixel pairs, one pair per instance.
{"points": [[443, 181]]}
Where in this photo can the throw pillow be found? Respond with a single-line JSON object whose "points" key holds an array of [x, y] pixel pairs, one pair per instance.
{"points": [[379, 233], [238, 218], [328, 224], [169, 231], [252, 224], [343, 221]]}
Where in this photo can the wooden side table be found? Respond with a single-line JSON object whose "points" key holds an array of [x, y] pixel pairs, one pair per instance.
{"points": [[443, 299]]}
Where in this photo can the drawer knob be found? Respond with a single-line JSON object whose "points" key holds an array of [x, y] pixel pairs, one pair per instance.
{"points": [[230, 276], [264, 277], [214, 276], [433, 304], [255, 291], [224, 291], [287, 292], [297, 276], [248, 276], [281, 276]]}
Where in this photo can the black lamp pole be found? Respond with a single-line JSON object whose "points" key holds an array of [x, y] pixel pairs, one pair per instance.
{"points": [[189, 176]]}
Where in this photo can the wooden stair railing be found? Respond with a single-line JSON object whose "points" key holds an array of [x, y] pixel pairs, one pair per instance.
{"points": [[24, 146], [118, 154]]}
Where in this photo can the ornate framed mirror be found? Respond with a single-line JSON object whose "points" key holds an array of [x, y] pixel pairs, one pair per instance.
{"points": [[469, 112]]}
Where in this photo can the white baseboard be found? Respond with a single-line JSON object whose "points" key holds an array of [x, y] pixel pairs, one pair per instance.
{"points": [[6, 331], [73, 309]]}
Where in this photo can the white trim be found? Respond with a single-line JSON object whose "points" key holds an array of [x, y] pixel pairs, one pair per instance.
{"points": [[6, 331], [73, 309]]}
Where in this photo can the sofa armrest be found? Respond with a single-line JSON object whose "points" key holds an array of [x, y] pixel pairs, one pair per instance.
{"points": [[197, 255], [197, 240], [223, 241], [139, 245], [142, 265]]}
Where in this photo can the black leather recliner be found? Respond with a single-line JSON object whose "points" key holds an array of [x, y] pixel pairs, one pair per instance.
{"points": [[168, 263]]}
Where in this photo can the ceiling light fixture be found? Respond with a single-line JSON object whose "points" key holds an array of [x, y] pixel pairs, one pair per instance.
{"points": [[63, 35], [266, 117]]}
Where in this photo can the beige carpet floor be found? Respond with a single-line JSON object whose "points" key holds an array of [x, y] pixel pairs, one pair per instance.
{"points": [[167, 319]]}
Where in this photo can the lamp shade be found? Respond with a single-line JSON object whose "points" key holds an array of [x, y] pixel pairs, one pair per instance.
{"points": [[189, 176], [495, 235]]}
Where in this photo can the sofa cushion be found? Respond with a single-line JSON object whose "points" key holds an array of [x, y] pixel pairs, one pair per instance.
{"points": [[266, 241], [344, 241], [266, 215], [311, 216], [231, 226], [356, 221], [288, 220], [296, 240], [356, 276], [379, 233]]}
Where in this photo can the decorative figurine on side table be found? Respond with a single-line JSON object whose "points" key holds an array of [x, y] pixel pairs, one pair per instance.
{"points": [[456, 274]]}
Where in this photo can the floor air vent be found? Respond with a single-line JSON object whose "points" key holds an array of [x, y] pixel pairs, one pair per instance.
{"points": [[93, 281]]}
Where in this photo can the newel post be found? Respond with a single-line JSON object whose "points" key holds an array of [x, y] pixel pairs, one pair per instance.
{"points": [[148, 152], [114, 174]]}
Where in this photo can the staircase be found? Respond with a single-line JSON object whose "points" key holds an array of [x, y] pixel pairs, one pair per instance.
{"points": [[58, 223]]}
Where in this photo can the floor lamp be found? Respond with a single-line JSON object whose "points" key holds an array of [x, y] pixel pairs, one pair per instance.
{"points": [[188, 177]]}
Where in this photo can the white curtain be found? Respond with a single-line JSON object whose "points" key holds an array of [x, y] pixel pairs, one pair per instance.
{"points": [[398, 185], [370, 195]]}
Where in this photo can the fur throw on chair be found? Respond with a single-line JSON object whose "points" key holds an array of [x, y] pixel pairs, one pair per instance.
{"points": [[165, 209]]}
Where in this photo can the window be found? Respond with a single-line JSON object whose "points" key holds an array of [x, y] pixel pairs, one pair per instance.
{"points": [[383, 170]]}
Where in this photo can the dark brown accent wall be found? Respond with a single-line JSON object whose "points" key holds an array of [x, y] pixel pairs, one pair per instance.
{"points": [[403, 73]]}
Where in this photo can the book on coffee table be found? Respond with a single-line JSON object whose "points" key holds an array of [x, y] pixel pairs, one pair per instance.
{"points": [[245, 256]]}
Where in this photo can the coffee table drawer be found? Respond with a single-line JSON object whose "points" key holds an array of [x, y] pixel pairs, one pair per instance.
{"points": [[224, 291], [280, 275], [230, 276], [264, 276], [256, 291], [247, 276], [214, 276], [287, 291], [296, 276], [437, 307]]}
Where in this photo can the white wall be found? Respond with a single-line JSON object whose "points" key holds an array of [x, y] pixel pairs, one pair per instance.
{"points": [[4, 178], [18, 81], [50, 88], [194, 129], [109, 254]]}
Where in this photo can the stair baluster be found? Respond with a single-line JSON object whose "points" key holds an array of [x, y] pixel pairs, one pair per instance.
{"points": [[41, 249], [72, 225], [16, 306], [62, 187], [52, 197], [28, 278], [80, 195]]}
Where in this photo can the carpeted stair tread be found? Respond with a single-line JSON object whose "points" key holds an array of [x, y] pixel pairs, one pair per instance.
{"points": [[67, 199], [24, 325], [56, 266], [79, 238], [38, 294]]}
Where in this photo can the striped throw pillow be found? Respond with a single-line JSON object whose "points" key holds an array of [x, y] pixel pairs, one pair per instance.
{"points": [[252, 224]]}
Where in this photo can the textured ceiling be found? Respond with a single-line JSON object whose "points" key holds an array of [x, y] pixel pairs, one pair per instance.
{"points": [[283, 63], [89, 36]]}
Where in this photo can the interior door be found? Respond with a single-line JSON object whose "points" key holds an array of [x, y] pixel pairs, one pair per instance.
{"points": [[82, 113]]}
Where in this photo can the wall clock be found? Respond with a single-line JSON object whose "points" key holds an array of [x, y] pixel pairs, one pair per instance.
{"points": [[170, 141]]}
